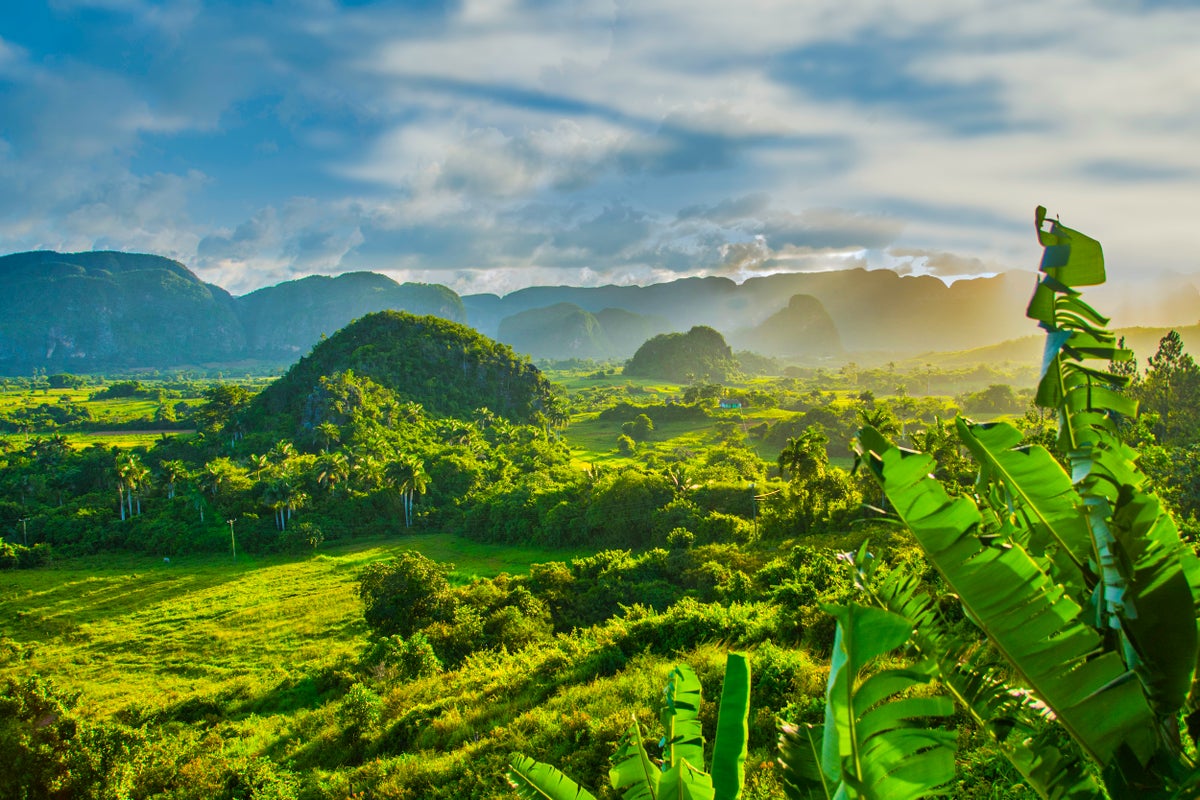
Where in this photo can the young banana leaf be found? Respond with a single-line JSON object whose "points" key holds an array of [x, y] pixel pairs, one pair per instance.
{"points": [[534, 780], [879, 740], [733, 730], [682, 736], [685, 782], [633, 773]]}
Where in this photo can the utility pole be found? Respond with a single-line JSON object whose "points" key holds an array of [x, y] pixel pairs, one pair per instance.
{"points": [[232, 541], [24, 530], [754, 502]]}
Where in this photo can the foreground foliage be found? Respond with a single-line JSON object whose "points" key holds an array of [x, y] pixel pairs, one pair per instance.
{"points": [[1072, 570], [679, 772]]}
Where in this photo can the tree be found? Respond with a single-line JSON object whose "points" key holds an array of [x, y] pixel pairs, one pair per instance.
{"points": [[639, 428], [333, 470], [805, 455], [172, 472], [408, 477], [131, 476], [1171, 389], [404, 595]]}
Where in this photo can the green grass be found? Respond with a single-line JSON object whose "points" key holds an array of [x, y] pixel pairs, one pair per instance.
{"points": [[124, 439], [135, 631], [593, 440]]}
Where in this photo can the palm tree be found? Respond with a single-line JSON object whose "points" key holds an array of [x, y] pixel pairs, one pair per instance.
{"points": [[407, 475], [172, 472], [282, 497], [329, 433], [260, 463], [805, 455], [283, 451], [333, 469], [131, 474]]}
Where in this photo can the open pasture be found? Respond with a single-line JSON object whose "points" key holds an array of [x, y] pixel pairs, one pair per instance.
{"points": [[129, 630]]}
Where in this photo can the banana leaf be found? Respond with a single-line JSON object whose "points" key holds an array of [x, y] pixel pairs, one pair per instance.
{"points": [[683, 738], [534, 780], [733, 730], [685, 782], [800, 760], [1039, 487], [633, 773], [878, 741], [1030, 620], [1012, 719]]}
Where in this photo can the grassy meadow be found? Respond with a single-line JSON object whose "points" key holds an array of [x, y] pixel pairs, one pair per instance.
{"points": [[127, 630]]}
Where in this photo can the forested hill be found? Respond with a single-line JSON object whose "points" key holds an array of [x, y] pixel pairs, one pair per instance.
{"points": [[448, 368], [76, 312]]}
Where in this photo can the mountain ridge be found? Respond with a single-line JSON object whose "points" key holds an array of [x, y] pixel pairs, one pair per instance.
{"points": [[100, 310]]}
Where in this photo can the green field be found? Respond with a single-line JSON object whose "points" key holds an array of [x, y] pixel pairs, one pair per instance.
{"points": [[127, 630]]}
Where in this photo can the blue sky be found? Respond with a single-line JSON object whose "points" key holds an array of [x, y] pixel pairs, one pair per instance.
{"points": [[494, 145]]}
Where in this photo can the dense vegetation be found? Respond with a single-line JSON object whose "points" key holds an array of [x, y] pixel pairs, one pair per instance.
{"points": [[377, 669], [701, 354]]}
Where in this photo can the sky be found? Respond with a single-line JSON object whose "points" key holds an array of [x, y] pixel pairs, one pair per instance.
{"points": [[490, 145]]}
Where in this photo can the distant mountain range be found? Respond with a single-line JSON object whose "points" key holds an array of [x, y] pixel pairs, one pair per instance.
{"points": [[77, 312], [80, 312]]}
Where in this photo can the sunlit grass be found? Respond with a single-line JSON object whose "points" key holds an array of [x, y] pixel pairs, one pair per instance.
{"points": [[135, 631]]}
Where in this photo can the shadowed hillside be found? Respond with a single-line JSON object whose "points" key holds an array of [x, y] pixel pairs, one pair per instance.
{"points": [[448, 368]]}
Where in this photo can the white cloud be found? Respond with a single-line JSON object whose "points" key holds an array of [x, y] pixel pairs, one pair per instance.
{"points": [[566, 139]]}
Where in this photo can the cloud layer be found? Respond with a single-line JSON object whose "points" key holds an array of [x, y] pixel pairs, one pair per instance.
{"points": [[491, 144]]}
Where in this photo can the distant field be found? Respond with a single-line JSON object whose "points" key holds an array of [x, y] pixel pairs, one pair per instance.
{"points": [[128, 630], [119, 438], [593, 440]]}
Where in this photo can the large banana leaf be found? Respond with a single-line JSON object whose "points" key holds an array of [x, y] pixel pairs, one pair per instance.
{"points": [[1025, 615], [633, 773], [682, 736], [733, 730], [1157, 615], [1038, 486], [800, 759], [685, 782], [1146, 582], [534, 780], [879, 741], [1011, 718]]}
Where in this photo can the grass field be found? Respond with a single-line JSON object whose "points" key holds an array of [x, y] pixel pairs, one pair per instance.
{"points": [[127, 630], [593, 440]]}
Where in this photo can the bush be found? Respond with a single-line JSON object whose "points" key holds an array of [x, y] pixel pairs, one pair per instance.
{"points": [[360, 710], [409, 658], [302, 537], [8, 556]]}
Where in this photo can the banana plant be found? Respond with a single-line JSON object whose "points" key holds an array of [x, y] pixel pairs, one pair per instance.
{"points": [[880, 739], [680, 774], [1076, 576]]}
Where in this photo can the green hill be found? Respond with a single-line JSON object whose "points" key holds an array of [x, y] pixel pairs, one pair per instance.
{"points": [[448, 368], [81, 311], [699, 354]]}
